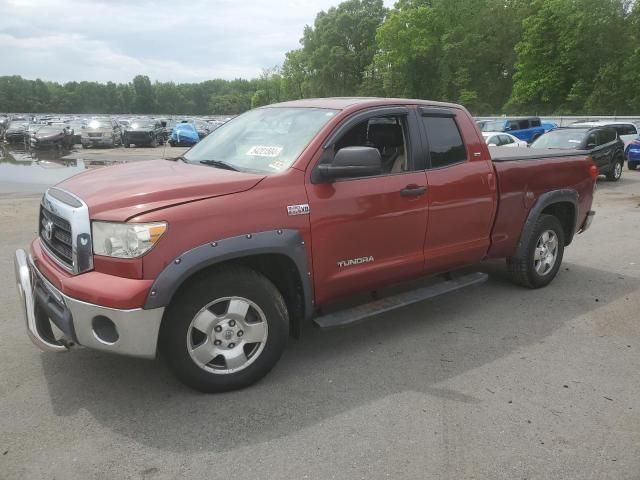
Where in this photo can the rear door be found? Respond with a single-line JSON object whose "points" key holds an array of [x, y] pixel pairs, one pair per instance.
{"points": [[606, 145], [461, 191]]}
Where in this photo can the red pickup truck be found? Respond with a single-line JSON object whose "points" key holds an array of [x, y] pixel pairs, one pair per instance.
{"points": [[285, 215]]}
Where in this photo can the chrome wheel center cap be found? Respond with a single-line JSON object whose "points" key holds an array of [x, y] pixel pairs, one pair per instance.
{"points": [[228, 334]]}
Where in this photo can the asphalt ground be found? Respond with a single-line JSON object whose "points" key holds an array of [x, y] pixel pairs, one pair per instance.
{"points": [[494, 382]]}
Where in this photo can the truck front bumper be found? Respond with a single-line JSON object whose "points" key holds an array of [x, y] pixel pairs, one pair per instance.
{"points": [[128, 332]]}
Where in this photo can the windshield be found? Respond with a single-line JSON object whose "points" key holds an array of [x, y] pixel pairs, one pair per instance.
{"points": [[493, 126], [265, 140], [565, 138]]}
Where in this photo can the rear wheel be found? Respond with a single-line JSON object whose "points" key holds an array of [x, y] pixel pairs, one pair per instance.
{"points": [[154, 142], [615, 172], [631, 166], [225, 330], [540, 261]]}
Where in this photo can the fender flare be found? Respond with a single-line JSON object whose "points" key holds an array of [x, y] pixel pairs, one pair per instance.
{"points": [[543, 201], [284, 242]]}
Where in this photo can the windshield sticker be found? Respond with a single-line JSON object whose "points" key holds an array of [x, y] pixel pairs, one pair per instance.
{"points": [[574, 141], [277, 165], [263, 151]]}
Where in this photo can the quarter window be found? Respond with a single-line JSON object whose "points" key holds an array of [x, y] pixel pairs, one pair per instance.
{"points": [[445, 143]]}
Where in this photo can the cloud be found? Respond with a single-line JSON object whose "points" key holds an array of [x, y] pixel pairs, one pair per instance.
{"points": [[181, 41]]}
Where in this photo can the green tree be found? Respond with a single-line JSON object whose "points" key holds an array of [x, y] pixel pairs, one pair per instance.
{"points": [[569, 57], [144, 95]]}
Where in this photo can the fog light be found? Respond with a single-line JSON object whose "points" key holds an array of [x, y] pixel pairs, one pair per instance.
{"points": [[104, 330]]}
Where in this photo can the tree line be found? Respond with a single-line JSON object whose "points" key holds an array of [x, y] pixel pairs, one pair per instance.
{"points": [[493, 56]]}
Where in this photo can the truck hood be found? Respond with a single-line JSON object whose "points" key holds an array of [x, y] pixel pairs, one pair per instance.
{"points": [[121, 192]]}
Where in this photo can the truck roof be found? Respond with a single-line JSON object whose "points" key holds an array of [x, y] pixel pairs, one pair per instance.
{"points": [[343, 103]]}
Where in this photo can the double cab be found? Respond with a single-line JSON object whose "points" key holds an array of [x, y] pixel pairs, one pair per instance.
{"points": [[288, 214]]}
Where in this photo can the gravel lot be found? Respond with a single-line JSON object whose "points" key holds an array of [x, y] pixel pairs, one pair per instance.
{"points": [[493, 382]]}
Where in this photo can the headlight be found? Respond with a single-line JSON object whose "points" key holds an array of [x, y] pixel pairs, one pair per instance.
{"points": [[125, 240]]}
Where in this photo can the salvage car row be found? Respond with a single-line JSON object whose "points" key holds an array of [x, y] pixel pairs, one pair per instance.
{"points": [[610, 142], [103, 131]]}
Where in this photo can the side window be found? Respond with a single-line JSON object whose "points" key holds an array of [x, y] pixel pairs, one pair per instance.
{"points": [[608, 135], [592, 140], [523, 124], [445, 143], [535, 122], [494, 141], [632, 130], [513, 125], [387, 134], [505, 140]]}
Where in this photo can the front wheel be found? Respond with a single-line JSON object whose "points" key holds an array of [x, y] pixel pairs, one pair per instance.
{"points": [[225, 330], [540, 261], [615, 172]]}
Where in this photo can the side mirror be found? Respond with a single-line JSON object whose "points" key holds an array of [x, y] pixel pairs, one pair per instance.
{"points": [[352, 162], [591, 146]]}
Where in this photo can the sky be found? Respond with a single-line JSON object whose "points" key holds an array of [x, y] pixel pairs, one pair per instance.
{"points": [[177, 40]]}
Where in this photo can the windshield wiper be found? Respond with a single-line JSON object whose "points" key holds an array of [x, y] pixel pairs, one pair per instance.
{"points": [[219, 164]]}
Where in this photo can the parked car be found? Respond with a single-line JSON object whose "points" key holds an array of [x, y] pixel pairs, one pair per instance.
{"points": [[627, 131], [52, 136], [101, 132], [16, 132], [500, 139], [281, 217], [142, 132], [633, 154], [603, 143], [528, 129], [183, 135]]}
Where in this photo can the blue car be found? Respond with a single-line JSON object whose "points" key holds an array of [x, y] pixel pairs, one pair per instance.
{"points": [[183, 135], [523, 128], [633, 154]]}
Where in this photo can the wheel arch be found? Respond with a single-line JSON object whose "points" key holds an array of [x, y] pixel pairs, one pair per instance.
{"points": [[563, 204], [279, 255]]}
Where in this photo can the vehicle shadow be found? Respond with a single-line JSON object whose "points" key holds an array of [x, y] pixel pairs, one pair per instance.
{"points": [[328, 373]]}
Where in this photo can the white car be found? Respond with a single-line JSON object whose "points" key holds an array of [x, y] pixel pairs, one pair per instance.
{"points": [[502, 139], [627, 131]]}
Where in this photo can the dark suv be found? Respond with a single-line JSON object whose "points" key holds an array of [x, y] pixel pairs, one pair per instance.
{"points": [[604, 144], [143, 131]]}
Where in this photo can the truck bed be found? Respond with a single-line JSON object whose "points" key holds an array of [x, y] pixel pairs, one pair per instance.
{"points": [[523, 176]]}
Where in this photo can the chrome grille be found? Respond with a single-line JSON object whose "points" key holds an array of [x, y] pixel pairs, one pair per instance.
{"points": [[55, 233], [65, 230]]}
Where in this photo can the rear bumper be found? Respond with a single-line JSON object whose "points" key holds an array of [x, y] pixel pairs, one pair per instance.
{"points": [[131, 332]]}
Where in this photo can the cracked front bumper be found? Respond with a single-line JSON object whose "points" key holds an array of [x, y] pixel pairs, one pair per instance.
{"points": [[131, 332]]}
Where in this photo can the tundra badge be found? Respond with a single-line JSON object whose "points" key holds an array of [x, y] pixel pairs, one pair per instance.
{"points": [[354, 261]]}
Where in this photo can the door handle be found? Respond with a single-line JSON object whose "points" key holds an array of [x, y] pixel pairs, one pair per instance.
{"points": [[413, 190]]}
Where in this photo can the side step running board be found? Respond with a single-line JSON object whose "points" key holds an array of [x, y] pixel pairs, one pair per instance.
{"points": [[355, 314]]}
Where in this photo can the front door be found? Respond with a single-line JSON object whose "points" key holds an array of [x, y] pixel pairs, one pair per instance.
{"points": [[368, 232]]}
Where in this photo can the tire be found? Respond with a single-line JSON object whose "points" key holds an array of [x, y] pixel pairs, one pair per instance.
{"points": [[171, 143], [126, 143], [525, 270], [631, 166], [615, 172], [234, 363], [154, 142]]}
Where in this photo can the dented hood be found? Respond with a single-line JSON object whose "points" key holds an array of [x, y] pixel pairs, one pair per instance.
{"points": [[123, 191]]}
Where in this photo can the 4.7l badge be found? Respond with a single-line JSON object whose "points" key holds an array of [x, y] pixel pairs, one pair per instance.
{"points": [[302, 209]]}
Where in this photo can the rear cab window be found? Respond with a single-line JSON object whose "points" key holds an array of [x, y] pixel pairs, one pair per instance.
{"points": [[446, 146]]}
